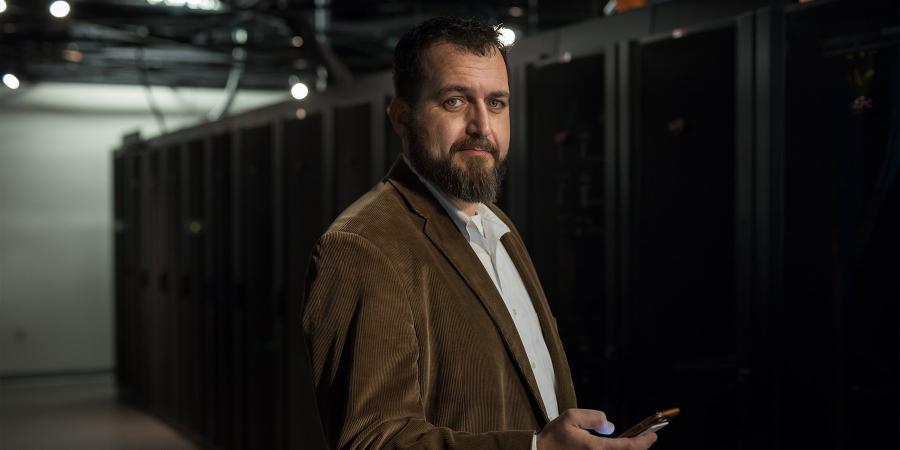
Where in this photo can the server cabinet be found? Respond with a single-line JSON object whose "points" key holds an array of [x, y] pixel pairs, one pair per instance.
{"points": [[171, 311], [680, 307], [124, 259], [304, 221], [219, 257], [721, 240], [261, 318], [352, 146], [840, 162], [566, 233], [192, 289], [156, 328]]}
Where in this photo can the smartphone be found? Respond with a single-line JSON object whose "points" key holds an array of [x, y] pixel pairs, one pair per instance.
{"points": [[653, 423]]}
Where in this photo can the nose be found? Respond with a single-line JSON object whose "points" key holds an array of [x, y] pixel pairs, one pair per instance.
{"points": [[479, 120]]}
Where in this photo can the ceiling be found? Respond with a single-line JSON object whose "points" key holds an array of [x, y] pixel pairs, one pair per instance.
{"points": [[259, 44]]}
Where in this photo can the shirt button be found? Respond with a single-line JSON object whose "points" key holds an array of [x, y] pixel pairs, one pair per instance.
{"points": [[515, 313], [533, 366]]}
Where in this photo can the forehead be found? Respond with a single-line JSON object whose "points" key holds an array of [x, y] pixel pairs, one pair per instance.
{"points": [[445, 64]]}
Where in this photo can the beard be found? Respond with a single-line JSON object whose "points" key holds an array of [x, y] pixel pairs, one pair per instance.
{"points": [[475, 181]]}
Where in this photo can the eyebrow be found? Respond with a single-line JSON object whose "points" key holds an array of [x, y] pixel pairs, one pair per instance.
{"points": [[465, 89]]}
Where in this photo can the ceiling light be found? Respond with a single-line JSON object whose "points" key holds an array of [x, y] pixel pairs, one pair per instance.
{"points": [[204, 5], [2, 6], [239, 36], [296, 41], [11, 81], [516, 11], [299, 91], [507, 36], [60, 9]]}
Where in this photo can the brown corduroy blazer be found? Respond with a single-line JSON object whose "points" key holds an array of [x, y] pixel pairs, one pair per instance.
{"points": [[411, 345]]}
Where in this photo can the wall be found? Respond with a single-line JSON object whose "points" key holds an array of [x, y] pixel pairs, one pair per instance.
{"points": [[55, 213]]}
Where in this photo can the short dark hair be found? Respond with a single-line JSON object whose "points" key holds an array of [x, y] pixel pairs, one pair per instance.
{"points": [[469, 35]]}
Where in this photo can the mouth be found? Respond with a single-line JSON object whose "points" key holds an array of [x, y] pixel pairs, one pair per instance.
{"points": [[475, 152]]}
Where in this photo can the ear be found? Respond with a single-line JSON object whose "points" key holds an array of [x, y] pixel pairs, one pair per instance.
{"points": [[400, 112]]}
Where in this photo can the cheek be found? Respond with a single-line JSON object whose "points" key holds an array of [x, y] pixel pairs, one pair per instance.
{"points": [[501, 133], [446, 134]]}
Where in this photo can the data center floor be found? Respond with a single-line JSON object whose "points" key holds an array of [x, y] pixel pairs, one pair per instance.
{"points": [[75, 413]]}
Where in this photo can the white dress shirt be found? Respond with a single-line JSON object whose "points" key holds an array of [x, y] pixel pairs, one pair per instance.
{"points": [[483, 231]]}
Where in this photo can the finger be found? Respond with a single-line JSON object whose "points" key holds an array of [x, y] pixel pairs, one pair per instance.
{"points": [[642, 442], [590, 419], [645, 440]]}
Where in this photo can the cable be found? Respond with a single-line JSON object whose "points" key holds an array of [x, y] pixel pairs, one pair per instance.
{"points": [[148, 92], [238, 56]]}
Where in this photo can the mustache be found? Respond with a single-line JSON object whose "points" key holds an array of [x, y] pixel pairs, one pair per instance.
{"points": [[471, 142]]}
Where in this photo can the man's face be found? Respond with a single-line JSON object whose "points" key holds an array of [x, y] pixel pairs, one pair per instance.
{"points": [[458, 131]]}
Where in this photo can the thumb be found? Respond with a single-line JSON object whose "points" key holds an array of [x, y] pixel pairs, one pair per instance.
{"points": [[590, 419]]}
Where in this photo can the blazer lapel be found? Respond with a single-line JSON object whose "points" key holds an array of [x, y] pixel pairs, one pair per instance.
{"points": [[443, 233], [565, 389]]}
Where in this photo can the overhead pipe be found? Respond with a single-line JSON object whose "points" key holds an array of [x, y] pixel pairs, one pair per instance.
{"points": [[238, 58]]}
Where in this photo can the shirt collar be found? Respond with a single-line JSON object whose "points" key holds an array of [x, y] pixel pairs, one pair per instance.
{"points": [[485, 228]]}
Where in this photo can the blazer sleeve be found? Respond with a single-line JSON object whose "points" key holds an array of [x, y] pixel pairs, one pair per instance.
{"points": [[364, 354]]}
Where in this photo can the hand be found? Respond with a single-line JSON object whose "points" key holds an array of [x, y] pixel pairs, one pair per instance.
{"points": [[569, 431]]}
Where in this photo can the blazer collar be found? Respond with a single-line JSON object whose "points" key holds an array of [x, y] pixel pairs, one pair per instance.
{"points": [[443, 233]]}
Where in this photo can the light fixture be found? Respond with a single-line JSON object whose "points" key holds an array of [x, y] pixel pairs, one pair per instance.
{"points": [[60, 9], [2, 6], [296, 41], [299, 91], [516, 11], [11, 81], [203, 5], [239, 36], [507, 36]]}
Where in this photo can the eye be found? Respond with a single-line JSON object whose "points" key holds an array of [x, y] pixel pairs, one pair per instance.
{"points": [[454, 102], [496, 104]]}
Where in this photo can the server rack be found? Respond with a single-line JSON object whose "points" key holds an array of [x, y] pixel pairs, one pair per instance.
{"points": [[239, 204], [223, 218], [352, 146], [681, 305], [567, 229], [219, 157], [840, 162], [304, 214]]}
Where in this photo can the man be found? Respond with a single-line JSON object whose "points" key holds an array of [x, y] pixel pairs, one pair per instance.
{"points": [[426, 322]]}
